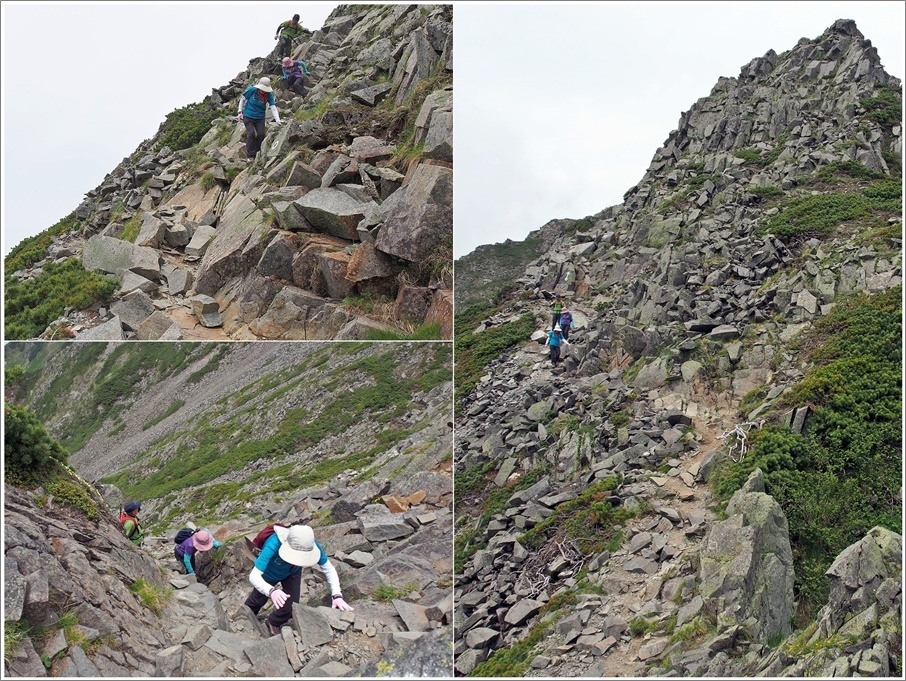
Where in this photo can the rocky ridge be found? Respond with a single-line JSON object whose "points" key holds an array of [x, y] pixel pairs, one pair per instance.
{"points": [[686, 306], [207, 246]]}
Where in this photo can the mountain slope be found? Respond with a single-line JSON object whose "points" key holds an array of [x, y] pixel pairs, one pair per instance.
{"points": [[351, 438], [736, 321], [342, 228]]}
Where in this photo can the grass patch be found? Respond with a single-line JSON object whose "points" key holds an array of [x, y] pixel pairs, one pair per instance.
{"points": [[32, 305], [132, 227], [589, 520], [385, 593], [514, 660], [423, 332], [154, 597]]}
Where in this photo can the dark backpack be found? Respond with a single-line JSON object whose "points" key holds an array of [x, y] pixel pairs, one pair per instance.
{"points": [[261, 537], [183, 534]]}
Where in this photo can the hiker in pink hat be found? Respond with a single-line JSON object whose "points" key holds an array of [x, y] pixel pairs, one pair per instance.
{"points": [[292, 74], [284, 554], [185, 551]]}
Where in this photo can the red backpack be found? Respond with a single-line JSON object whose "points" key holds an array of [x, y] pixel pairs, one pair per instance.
{"points": [[261, 537], [124, 517]]}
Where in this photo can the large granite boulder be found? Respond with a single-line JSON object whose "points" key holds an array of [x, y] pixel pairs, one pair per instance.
{"points": [[116, 256], [418, 218]]}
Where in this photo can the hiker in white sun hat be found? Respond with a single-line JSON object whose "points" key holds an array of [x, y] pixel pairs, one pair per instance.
{"points": [[253, 107], [282, 558]]}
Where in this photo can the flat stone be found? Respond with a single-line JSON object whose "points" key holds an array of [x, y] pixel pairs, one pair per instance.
{"points": [[207, 310], [522, 611]]}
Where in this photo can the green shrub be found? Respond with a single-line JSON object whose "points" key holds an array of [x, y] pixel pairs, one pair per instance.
{"points": [[885, 107], [34, 248], [843, 477], [32, 305], [184, 127], [820, 213], [207, 181], [174, 407], [132, 227], [512, 661], [751, 156], [589, 520], [73, 494], [30, 454], [766, 192]]}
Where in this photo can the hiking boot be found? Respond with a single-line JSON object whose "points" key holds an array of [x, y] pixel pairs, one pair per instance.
{"points": [[274, 631]]}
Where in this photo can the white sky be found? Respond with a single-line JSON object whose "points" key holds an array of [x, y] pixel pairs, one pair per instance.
{"points": [[560, 108], [85, 83]]}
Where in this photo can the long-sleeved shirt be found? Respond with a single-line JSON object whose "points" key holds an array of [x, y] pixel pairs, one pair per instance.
{"points": [[289, 30], [270, 568], [252, 106], [296, 69], [186, 550]]}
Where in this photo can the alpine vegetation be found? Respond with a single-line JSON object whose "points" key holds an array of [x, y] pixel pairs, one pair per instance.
{"points": [[228, 509], [705, 478], [309, 198]]}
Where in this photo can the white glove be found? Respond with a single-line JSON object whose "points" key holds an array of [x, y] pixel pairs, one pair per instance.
{"points": [[340, 604], [279, 598]]}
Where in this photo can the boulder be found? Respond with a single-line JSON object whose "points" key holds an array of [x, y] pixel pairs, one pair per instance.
{"points": [[334, 267], [334, 212], [198, 246], [111, 330], [133, 308], [418, 219], [116, 256], [207, 310]]}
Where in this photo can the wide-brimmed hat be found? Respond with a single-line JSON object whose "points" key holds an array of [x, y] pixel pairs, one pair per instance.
{"points": [[287, 62], [264, 84], [557, 328], [202, 540], [297, 545]]}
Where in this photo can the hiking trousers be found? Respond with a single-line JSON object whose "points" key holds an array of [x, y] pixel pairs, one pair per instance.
{"points": [[295, 82], [292, 586], [555, 319], [565, 330], [254, 135], [555, 354], [284, 47]]}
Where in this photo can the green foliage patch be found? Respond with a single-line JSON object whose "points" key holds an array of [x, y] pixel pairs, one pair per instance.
{"points": [[843, 477], [821, 213], [184, 127], [589, 520], [34, 248], [74, 495], [474, 351], [154, 597], [885, 107], [30, 306], [30, 454]]}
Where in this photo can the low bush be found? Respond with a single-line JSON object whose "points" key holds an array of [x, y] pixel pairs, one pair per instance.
{"points": [[184, 127], [30, 306], [30, 454]]}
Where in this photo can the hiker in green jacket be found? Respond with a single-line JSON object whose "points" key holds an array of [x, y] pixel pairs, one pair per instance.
{"points": [[129, 520], [287, 32], [557, 308]]}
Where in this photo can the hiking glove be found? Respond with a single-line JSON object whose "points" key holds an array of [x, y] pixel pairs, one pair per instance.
{"points": [[340, 604], [279, 598]]}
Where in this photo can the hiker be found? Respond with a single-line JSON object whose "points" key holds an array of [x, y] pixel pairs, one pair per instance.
{"points": [[284, 554], [252, 111], [554, 340], [557, 307], [287, 32], [566, 321], [292, 74], [129, 521], [195, 541]]}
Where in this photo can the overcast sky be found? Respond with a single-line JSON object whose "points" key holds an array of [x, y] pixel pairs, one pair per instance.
{"points": [[85, 83], [560, 108]]}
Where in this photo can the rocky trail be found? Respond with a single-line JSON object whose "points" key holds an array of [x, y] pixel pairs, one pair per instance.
{"points": [[206, 245], [392, 558]]}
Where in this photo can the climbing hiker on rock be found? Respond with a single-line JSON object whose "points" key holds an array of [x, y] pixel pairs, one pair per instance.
{"points": [[566, 321], [282, 558], [556, 308], [555, 340], [129, 521], [252, 111], [292, 74], [201, 540], [287, 33]]}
